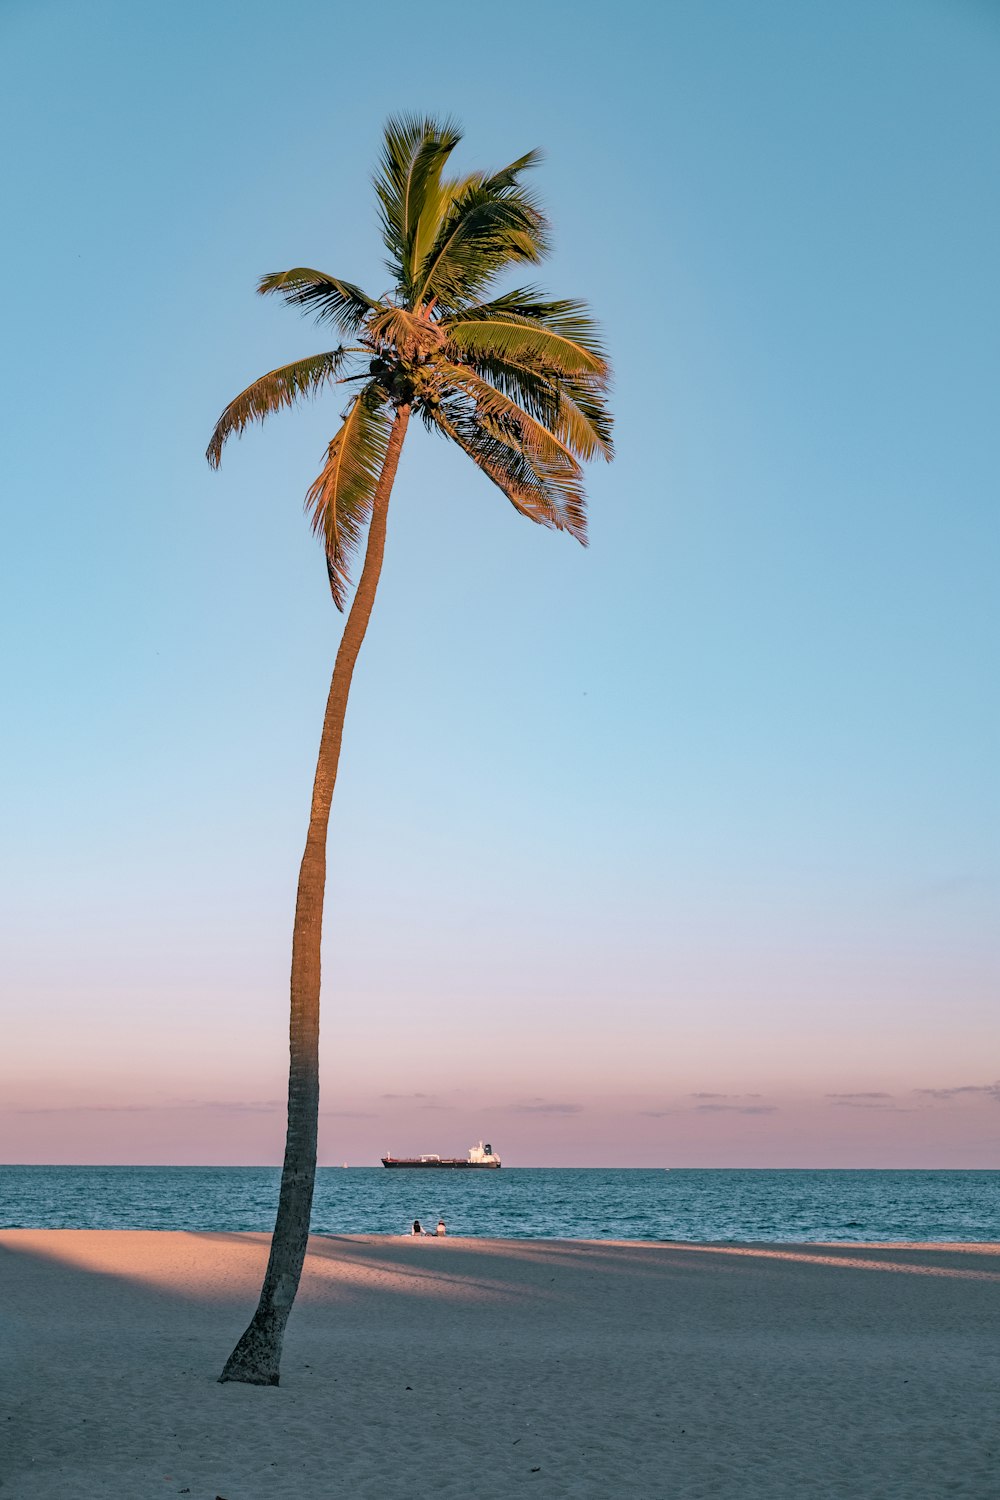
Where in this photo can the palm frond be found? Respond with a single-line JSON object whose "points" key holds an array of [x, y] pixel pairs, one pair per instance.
{"points": [[507, 176], [560, 336], [524, 302], [545, 493], [583, 421], [339, 500], [438, 205], [573, 408], [534, 389], [332, 300], [278, 388], [485, 230], [497, 413], [408, 185], [524, 333]]}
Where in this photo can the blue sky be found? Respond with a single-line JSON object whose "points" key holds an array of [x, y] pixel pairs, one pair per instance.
{"points": [[709, 808]]}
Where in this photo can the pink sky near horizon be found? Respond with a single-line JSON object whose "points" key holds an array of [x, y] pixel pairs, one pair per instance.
{"points": [[948, 1129], [636, 1042], [731, 1104], [629, 1046]]}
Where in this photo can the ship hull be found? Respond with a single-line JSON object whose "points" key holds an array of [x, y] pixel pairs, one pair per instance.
{"points": [[462, 1166]]}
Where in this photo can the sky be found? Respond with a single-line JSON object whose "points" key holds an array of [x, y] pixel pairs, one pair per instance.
{"points": [[681, 850]]}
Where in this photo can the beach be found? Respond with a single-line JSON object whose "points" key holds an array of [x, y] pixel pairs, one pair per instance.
{"points": [[477, 1368]]}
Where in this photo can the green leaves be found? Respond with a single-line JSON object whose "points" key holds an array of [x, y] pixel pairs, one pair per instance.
{"points": [[504, 418], [339, 500], [524, 481], [281, 387], [522, 326], [523, 341], [583, 421], [448, 238], [507, 176], [535, 470], [332, 300], [518, 380], [409, 189], [486, 229], [546, 355]]}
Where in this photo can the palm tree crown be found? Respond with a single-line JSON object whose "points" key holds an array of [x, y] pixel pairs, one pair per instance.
{"points": [[517, 380]]}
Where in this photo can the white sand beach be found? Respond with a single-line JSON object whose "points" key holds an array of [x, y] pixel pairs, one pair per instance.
{"points": [[473, 1368]]}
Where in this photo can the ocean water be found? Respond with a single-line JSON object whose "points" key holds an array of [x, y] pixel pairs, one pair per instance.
{"points": [[521, 1203]]}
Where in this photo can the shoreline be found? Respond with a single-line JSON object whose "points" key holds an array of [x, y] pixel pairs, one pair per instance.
{"points": [[473, 1367]]}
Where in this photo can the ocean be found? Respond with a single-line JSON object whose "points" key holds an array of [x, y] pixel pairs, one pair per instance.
{"points": [[521, 1203]]}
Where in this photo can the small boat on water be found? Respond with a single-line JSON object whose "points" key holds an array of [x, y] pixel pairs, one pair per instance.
{"points": [[479, 1156]]}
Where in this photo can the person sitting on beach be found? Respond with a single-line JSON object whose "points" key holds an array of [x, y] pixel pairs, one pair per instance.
{"points": [[440, 1230], [417, 1227]]}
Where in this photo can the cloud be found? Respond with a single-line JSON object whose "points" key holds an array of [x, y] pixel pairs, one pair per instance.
{"points": [[543, 1107], [347, 1114], [868, 1099], [739, 1109], [421, 1100], [85, 1109], [704, 1094], [862, 1094], [861, 1101], [228, 1106], [888, 1108], [990, 1090], [240, 1106], [655, 1114]]}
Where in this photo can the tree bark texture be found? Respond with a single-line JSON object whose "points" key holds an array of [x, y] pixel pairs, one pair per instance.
{"points": [[256, 1359]]}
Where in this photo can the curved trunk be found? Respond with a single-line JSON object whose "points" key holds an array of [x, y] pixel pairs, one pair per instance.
{"points": [[257, 1357]]}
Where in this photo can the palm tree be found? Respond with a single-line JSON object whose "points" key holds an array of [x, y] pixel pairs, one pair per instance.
{"points": [[517, 380]]}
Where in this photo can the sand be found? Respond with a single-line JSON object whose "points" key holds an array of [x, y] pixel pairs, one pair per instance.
{"points": [[473, 1368]]}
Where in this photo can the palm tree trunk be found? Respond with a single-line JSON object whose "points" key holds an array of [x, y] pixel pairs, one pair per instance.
{"points": [[257, 1357]]}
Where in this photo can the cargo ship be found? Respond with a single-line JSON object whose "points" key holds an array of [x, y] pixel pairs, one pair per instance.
{"points": [[479, 1156]]}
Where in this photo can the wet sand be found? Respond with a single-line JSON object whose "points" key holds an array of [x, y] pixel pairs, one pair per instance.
{"points": [[474, 1369]]}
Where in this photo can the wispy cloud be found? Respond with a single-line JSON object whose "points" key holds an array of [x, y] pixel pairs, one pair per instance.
{"points": [[988, 1090], [716, 1104], [543, 1107], [887, 1106], [241, 1106], [348, 1114], [858, 1097], [867, 1099], [85, 1109], [220, 1106], [737, 1109], [704, 1094], [418, 1098]]}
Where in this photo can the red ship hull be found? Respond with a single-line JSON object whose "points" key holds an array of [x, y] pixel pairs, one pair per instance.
{"points": [[469, 1166]]}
